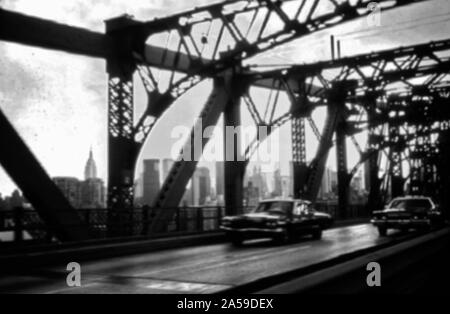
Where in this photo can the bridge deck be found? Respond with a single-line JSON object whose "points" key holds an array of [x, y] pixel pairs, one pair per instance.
{"points": [[201, 269]]}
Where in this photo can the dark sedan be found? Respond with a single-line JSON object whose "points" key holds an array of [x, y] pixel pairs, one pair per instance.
{"points": [[277, 219], [408, 212]]}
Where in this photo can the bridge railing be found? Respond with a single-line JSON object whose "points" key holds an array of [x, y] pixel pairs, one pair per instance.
{"points": [[25, 225], [354, 211]]}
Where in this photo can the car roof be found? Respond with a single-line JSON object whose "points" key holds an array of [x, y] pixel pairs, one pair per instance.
{"points": [[285, 200], [412, 197]]}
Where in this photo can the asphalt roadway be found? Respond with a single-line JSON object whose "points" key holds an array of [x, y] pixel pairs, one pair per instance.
{"points": [[199, 269]]}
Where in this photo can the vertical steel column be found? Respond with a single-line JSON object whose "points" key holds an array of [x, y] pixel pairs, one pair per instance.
{"points": [[395, 172], [374, 200], [234, 164], [342, 170], [337, 99], [122, 148], [300, 168], [317, 167], [444, 171]]}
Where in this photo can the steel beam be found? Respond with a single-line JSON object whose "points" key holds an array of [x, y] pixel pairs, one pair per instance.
{"points": [[374, 199], [341, 159], [61, 218], [33, 31], [175, 184], [122, 149], [444, 172], [317, 167], [300, 168], [396, 173], [234, 162]]}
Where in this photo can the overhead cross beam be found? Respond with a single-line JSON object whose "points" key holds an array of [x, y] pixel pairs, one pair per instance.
{"points": [[243, 28]]}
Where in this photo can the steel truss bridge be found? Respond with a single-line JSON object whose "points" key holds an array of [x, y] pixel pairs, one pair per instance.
{"points": [[398, 96]]}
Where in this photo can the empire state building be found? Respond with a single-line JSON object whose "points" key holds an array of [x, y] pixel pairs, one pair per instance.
{"points": [[90, 170]]}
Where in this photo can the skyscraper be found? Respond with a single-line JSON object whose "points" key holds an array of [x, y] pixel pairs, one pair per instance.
{"points": [[259, 181], [277, 183], [92, 193], [90, 170], [201, 186], [92, 189], [220, 178], [152, 183]]}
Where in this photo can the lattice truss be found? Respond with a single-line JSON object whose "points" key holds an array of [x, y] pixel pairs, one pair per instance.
{"points": [[405, 71], [204, 41], [414, 125]]}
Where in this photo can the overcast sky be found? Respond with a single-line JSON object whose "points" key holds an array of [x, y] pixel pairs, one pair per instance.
{"points": [[58, 101]]}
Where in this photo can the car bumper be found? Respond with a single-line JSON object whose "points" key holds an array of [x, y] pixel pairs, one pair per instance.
{"points": [[401, 223], [253, 232]]}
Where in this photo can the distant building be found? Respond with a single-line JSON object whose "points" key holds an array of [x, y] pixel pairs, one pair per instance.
{"points": [[93, 193], [357, 182], [251, 195], [220, 178], [201, 186], [286, 186], [15, 200], [167, 164], [328, 187], [188, 199], [258, 181], [92, 189], [90, 170], [139, 190], [277, 184], [151, 181], [71, 188]]}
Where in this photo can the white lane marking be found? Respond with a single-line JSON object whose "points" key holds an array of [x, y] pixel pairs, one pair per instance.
{"points": [[180, 286]]}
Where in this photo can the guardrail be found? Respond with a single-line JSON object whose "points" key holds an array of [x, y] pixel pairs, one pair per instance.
{"points": [[25, 225]]}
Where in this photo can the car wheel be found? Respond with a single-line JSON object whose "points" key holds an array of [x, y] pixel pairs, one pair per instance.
{"points": [[317, 234], [283, 237], [382, 231], [237, 240]]}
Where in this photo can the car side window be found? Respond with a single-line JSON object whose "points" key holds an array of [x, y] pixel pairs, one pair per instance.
{"points": [[298, 209], [301, 209]]}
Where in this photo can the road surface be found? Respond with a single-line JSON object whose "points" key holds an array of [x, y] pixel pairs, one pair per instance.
{"points": [[200, 269]]}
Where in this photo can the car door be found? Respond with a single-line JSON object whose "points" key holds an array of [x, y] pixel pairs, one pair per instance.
{"points": [[301, 218]]}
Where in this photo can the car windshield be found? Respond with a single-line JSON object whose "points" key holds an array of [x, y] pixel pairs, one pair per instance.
{"points": [[411, 204], [277, 208]]}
